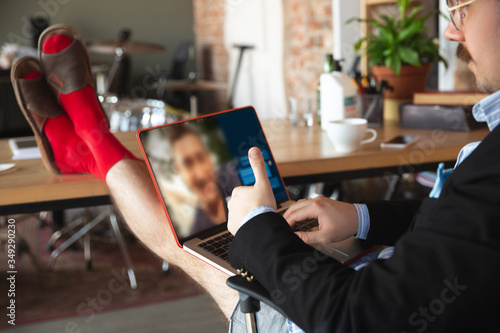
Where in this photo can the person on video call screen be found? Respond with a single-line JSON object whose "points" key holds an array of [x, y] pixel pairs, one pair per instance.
{"points": [[195, 177]]}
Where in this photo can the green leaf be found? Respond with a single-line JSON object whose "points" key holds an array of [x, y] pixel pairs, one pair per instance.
{"points": [[414, 12], [359, 43], [388, 52], [403, 7], [375, 24], [386, 37], [409, 56], [375, 62], [388, 62], [409, 32], [396, 64], [354, 19], [397, 67], [388, 21]]}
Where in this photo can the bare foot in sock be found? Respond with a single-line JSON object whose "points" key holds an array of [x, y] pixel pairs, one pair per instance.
{"points": [[70, 153], [82, 106]]}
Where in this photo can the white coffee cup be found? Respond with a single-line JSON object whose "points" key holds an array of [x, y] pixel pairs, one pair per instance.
{"points": [[347, 134]]}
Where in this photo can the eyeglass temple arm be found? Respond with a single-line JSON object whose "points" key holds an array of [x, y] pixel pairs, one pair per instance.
{"points": [[461, 5]]}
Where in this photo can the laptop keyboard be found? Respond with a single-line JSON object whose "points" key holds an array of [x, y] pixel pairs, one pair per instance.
{"points": [[219, 245], [302, 225], [305, 225]]}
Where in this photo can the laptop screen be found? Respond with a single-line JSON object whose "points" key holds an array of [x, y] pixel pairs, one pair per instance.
{"points": [[196, 164]]}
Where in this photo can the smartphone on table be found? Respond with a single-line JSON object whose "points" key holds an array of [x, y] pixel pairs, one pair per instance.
{"points": [[399, 141]]}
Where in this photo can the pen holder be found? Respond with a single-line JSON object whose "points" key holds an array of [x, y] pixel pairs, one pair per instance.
{"points": [[372, 109]]}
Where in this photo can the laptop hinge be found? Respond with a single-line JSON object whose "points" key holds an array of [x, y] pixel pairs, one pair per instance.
{"points": [[207, 233]]}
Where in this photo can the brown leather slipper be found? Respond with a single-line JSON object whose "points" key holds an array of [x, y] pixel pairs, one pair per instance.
{"points": [[70, 69], [37, 104]]}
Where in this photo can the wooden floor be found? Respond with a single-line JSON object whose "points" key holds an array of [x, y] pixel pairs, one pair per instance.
{"points": [[192, 315]]}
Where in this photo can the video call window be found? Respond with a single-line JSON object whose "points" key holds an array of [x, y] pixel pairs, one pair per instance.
{"points": [[198, 163]]}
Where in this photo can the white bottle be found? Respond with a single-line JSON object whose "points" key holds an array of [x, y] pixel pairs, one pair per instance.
{"points": [[338, 97]]}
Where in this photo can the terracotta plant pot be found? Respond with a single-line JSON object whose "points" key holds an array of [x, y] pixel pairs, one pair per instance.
{"points": [[410, 79]]}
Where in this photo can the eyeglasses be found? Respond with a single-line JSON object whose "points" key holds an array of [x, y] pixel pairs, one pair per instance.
{"points": [[458, 12]]}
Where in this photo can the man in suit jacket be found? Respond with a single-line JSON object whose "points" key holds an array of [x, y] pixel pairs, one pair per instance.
{"points": [[442, 275], [445, 265]]}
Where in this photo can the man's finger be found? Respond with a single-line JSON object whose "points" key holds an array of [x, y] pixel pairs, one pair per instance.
{"points": [[302, 214], [258, 165], [310, 237], [296, 206]]}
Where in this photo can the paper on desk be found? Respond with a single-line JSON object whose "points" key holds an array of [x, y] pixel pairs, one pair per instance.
{"points": [[7, 166], [27, 156], [24, 148]]}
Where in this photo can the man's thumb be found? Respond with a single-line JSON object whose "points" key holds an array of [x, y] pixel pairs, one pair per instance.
{"points": [[258, 164]]}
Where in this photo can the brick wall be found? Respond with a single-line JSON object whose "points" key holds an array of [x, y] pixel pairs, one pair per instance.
{"points": [[212, 56], [307, 33], [308, 37]]}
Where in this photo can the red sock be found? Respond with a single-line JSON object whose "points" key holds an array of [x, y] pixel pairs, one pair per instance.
{"points": [[32, 75], [71, 154], [89, 121], [56, 43]]}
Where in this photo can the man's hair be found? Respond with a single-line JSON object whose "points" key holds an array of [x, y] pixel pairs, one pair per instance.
{"points": [[178, 131]]}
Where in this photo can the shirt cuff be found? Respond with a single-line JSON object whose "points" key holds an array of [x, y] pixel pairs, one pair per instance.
{"points": [[363, 221], [256, 211]]}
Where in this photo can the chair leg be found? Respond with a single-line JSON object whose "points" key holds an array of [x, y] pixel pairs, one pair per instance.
{"points": [[392, 187], [123, 247], [86, 251], [251, 322], [249, 306], [83, 231], [56, 235], [42, 219]]}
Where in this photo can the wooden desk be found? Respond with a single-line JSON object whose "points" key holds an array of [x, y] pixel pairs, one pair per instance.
{"points": [[303, 154], [31, 188]]}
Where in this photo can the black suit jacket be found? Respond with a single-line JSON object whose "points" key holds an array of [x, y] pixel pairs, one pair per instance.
{"points": [[443, 276]]}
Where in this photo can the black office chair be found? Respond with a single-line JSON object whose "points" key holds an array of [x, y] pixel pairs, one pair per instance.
{"points": [[251, 294]]}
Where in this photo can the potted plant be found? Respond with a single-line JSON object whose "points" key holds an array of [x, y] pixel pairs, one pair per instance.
{"points": [[400, 51]]}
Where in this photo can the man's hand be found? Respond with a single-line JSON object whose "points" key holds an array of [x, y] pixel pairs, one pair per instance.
{"points": [[245, 198], [337, 220]]}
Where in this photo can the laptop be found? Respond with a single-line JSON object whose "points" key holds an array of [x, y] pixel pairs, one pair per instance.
{"points": [[196, 163]]}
